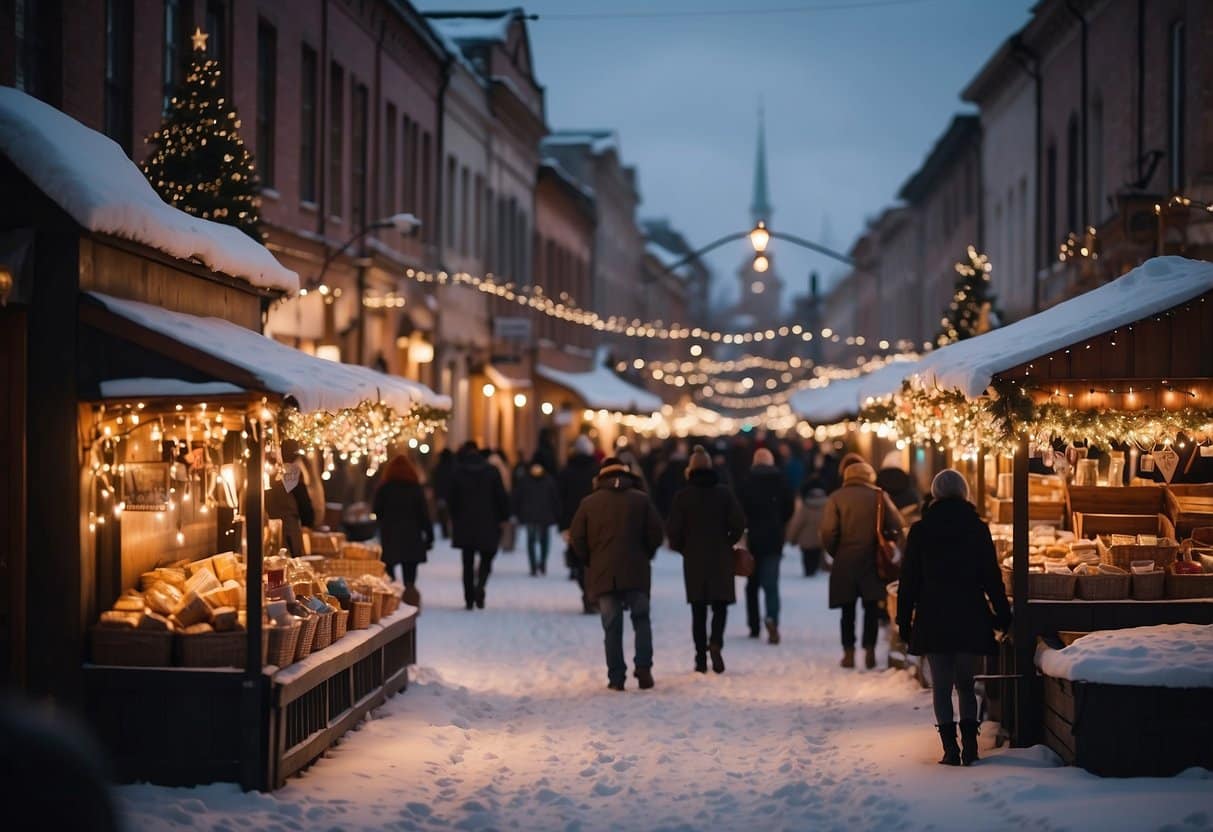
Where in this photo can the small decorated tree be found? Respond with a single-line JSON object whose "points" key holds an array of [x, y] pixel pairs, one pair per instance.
{"points": [[199, 163], [973, 309]]}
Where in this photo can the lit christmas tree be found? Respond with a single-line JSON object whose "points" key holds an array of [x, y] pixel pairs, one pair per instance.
{"points": [[973, 309], [199, 163]]}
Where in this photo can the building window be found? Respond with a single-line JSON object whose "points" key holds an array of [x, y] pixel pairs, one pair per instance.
{"points": [[1175, 107], [336, 138], [1072, 170], [427, 192], [465, 247], [449, 191], [478, 218], [308, 66], [1047, 238], [267, 97], [408, 159], [173, 61], [36, 25], [119, 46], [358, 147], [389, 161], [1095, 154]]}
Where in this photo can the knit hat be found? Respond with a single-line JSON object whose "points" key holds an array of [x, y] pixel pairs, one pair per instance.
{"points": [[699, 461], [848, 460], [859, 472], [613, 465]]}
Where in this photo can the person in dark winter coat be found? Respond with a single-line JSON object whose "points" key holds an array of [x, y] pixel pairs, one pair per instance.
{"points": [[705, 521], [287, 499], [575, 483], [949, 581], [405, 530], [615, 532], [671, 479], [537, 506], [440, 484], [479, 505], [768, 504], [900, 486], [848, 533]]}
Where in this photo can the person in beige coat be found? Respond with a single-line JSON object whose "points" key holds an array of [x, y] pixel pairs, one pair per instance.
{"points": [[848, 533], [804, 529]]}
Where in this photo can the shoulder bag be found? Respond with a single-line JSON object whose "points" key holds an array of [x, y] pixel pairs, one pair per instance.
{"points": [[888, 556]]}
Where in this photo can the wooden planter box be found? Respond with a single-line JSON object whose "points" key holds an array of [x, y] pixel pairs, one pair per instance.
{"points": [[1122, 731]]}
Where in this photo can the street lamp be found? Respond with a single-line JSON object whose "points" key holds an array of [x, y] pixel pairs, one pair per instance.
{"points": [[761, 263], [759, 237]]}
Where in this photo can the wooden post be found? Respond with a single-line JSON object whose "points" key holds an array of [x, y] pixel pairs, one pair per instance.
{"points": [[1024, 729], [253, 707], [981, 481]]}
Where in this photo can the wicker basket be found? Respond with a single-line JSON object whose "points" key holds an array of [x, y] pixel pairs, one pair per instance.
{"points": [[1044, 586], [212, 649], [341, 620], [376, 607], [1163, 553], [1147, 586], [131, 648], [391, 603], [307, 635], [1189, 586], [324, 632], [1102, 587], [360, 615], [350, 568], [282, 641]]}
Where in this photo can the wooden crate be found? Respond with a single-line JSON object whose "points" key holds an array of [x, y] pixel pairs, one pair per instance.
{"points": [[1102, 499], [1091, 525], [1052, 512], [1189, 507]]}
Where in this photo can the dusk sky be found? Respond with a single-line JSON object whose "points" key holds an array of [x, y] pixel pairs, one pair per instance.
{"points": [[856, 92]]}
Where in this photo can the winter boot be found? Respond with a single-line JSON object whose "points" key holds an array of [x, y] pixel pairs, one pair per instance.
{"points": [[701, 663], [644, 676], [717, 658], [848, 657], [951, 751], [480, 598], [412, 596], [615, 685], [869, 657], [772, 631], [968, 742]]}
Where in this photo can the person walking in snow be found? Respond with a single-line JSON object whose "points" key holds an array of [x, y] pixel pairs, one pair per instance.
{"points": [[705, 521], [479, 506], [615, 532], [804, 529], [768, 505], [537, 507], [950, 580], [405, 530], [576, 481], [848, 533]]}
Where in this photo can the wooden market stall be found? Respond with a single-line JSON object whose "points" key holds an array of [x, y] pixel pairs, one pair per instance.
{"points": [[596, 401], [1126, 369]]}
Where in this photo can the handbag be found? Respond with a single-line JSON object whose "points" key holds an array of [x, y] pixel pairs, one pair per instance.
{"points": [[888, 556], [743, 562]]}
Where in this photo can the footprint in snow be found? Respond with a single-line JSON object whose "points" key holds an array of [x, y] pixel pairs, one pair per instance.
{"points": [[589, 772], [604, 789]]}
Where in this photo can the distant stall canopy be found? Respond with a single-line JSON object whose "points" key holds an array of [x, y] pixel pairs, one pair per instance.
{"points": [[601, 389]]}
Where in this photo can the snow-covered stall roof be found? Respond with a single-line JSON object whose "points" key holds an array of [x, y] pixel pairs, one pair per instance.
{"points": [[147, 387], [316, 384], [1154, 286], [843, 399], [88, 176], [1165, 655], [601, 389]]}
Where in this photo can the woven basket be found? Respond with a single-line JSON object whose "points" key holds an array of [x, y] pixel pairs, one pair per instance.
{"points": [[1147, 586], [376, 607], [1189, 586], [212, 649], [1163, 554], [324, 632], [1102, 587], [391, 603], [131, 648], [341, 620], [307, 635], [360, 615], [1047, 587], [282, 641], [350, 568]]}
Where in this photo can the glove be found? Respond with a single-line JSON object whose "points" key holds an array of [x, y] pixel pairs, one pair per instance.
{"points": [[904, 633]]}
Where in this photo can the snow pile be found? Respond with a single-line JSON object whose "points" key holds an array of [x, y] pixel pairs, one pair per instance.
{"points": [[1166, 655], [1155, 286], [601, 389], [315, 384], [89, 177]]}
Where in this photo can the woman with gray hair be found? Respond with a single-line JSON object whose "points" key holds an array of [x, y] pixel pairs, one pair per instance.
{"points": [[949, 603]]}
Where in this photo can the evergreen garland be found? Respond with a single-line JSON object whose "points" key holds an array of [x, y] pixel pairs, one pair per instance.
{"points": [[199, 162]]}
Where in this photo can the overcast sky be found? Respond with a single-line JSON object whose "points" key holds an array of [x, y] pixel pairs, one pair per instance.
{"points": [[856, 92]]}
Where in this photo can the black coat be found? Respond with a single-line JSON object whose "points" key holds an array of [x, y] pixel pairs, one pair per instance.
{"points": [[768, 504], [405, 530], [669, 482], [575, 483], [900, 487], [536, 499], [949, 579], [615, 533], [705, 521], [478, 504]]}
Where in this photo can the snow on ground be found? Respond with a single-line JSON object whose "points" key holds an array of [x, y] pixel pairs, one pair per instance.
{"points": [[508, 725]]}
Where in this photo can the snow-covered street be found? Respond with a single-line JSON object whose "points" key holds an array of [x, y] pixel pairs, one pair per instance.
{"points": [[508, 725]]}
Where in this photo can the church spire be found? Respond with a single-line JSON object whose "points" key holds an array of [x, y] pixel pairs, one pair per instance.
{"points": [[760, 205]]}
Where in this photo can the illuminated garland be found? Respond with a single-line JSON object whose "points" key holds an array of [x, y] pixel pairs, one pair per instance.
{"points": [[355, 433]]}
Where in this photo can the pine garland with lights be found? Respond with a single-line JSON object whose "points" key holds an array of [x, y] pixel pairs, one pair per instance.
{"points": [[973, 308], [199, 162]]}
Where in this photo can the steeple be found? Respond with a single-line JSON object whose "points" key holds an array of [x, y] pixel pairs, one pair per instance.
{"points": [[760, 205]]}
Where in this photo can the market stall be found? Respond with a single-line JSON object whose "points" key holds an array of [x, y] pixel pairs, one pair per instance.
{"points": [[596, 401]]}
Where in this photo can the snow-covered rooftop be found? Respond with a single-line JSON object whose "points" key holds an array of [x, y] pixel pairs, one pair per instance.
{"points": [[1154, 286], [475, 28], [599, 140], [147, 387], [601, 389], [844, 398], [316, 384], [89, 177], [1165, 655]]}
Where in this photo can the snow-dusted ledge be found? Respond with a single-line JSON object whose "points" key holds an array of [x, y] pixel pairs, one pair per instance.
{"points": [[131, 388], [88, 176], [349, 641], [1165, 655]]}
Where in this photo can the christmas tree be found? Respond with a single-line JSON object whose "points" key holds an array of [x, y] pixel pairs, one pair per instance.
{"points": [[973, 308], [199, 163]]}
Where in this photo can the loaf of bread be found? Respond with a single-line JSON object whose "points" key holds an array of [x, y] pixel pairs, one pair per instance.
{"points": [[202, 582], [226, 566], [197, 566], [122, 620], [192, 609], [129, 603], [163, 598], [225, 618], [198, 629]]}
